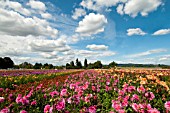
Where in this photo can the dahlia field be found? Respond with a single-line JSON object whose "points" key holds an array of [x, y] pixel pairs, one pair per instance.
{"points": [[88, 91]]}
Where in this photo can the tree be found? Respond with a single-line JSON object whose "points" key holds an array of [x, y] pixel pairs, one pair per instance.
{"points": [[113, 64], [50, 66], [26, 65], [72, 66], [37, 66], [45, 66], [2, 63], [85, 63], [96, 65], [77, 62], [67, 66], [79, 66], [8, 63]]}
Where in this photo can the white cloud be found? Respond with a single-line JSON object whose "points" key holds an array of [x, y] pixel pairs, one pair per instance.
{"points": [[149, 52], [162, 32], [16, 6], [78, 13], [45, 45], [89, 4], [46, 15], [164, 58], [17, 25], [134, 7], [129, 7], [98, 5], [91, 24], [97, 47], [34, 49], [93, 54], [73, 39], [135, 31], [120, 9], [13, 45], [37, 5], [109, 3]]}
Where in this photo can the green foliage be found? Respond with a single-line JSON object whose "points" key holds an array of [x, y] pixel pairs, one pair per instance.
{"points": [[6, 62], [78, 64], [37, 66], [85, 63], [67, 66], [96, 65], [26, 65], [113, 64], [48, 66]]}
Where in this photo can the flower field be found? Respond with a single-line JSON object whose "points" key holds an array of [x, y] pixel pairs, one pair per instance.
{"points": [[13, 78], [88, 91]]}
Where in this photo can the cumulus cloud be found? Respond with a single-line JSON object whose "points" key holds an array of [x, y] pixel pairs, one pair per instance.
{"points": [[97, 47], [98, 5], [37, 5], [129, 7], [109, 3], [134, 7], [162, 32], [46, 15], [93, 54], [164, 58], [91, 24], [149, 52], [45, 45], [16, 6], [34, 49], [13, 46], [120, 9], [17, 25], [89, 4], [78, 13], [135, 31]]}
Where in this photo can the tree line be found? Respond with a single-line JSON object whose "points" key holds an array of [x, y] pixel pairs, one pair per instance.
{"points": [[95, 65], [6, 63]]}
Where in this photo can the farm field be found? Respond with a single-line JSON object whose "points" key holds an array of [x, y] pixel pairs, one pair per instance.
{"points": [[86, 91]]}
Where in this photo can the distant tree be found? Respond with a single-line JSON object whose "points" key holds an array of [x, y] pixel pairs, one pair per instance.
{"points": [[79, 66], [77, 61], [113, 64], [2, 63], [67, 66], [72, 66], [37, 66], [85, 63], [8, 63], [105, 67], [16, 66], [59, 67], [26, 65], [96, 65], [50, 66], [45, 66], [90, 66]]}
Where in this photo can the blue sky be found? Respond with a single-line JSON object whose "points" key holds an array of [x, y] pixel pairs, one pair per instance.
{"points": [[57, 32]]}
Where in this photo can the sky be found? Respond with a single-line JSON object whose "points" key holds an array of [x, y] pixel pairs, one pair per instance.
{"points": [[59, 31]]}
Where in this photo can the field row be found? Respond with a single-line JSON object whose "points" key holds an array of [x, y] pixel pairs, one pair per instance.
{"points": [[12, 81]]}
